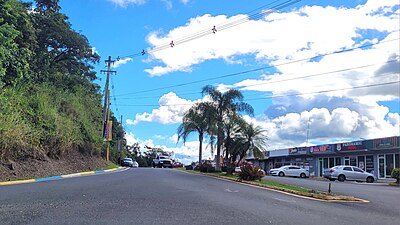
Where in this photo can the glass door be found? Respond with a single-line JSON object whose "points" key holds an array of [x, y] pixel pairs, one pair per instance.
{"points": [[389, 164], [381, 166]]}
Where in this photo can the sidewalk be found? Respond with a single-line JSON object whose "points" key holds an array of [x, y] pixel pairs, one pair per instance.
{"points": [[59, 176]]}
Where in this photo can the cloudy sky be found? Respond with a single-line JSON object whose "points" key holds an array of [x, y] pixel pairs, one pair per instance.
{"points": [[329, 69]]}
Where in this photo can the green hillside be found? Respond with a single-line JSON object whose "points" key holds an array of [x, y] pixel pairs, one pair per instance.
{"points": [[50, 108]]}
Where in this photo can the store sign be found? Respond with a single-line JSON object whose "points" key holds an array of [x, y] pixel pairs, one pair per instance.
{"points": [[321, 149], [351, 146], [386, 143], [298, 151]]}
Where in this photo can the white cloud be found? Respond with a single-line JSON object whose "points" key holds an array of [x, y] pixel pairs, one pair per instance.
{"points": [[171, 110], [120, 62], [325, 125], [279, 37], [94, 50], [125, 3], [174, 138], [130, 122]]}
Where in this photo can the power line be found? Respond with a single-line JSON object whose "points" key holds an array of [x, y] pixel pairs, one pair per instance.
{"points": [[325, 91], [289, 95], [217, 28], [259, 69], [114, 98], [279, 81]]}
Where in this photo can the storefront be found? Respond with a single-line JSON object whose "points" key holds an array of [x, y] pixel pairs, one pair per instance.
{"points": [[376, 156], [356, 154], [300, 156], [387, 152], [326, 157]]}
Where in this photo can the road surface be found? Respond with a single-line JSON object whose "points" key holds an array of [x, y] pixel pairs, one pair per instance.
{"points": [[166, 196]]}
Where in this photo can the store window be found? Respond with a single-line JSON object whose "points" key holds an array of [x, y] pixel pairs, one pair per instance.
{"points": [[361, 162], [369, 164], [353, 161], [389, 164]]}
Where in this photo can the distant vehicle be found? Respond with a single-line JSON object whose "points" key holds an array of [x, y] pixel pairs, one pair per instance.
{"points": [[238, 170], [127, 162], [292, 171], [162, 161], [135, 164], [342, 173], [177, 164]]}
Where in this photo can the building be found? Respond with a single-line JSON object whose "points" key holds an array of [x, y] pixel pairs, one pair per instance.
{"points": [[377, 156]]}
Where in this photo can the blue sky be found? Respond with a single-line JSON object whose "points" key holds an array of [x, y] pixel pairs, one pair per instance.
{"points": [[343, 96]]}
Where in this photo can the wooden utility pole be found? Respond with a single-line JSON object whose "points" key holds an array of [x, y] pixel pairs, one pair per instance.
{"points": [[106, 108]]}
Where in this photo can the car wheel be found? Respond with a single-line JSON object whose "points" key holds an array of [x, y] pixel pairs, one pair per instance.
{"points": [[331, 179], [281, 174], [370, 179], [341, 178]]}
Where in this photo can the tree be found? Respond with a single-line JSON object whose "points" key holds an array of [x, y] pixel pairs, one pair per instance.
{"points": [[62, 53], [251, 139], [195, 120], [17, 42], [225, 105]]}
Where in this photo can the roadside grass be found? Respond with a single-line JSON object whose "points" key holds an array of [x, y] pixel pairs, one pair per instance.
{"points": [[111, 166], [305, 192]]}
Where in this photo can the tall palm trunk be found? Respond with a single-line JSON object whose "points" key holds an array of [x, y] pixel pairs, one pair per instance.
{"points": [[219, 144], [200, 147]]}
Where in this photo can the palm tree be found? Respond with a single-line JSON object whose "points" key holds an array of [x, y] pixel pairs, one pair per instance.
{"points": [[251, 139], [231, 128], [225, 105], [195, 120]]}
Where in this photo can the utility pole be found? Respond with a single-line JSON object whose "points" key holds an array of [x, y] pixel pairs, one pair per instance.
{"points": [[106, 108]]}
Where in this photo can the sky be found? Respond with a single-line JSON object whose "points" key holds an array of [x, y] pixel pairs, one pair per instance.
{"points": [[314, 71]]}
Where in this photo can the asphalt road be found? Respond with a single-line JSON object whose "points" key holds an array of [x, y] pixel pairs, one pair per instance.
{"points": [[165, 196]]}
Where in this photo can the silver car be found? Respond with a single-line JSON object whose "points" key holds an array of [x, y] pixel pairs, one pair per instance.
{"points": [[342, 173], [293, 171]]}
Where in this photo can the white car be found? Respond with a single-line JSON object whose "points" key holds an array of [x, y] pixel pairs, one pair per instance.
{"points": [[292, 171], [135, 164]]}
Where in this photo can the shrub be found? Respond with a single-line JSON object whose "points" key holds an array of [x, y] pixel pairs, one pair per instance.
{"points": [[396, 174], [229, 168], [189, 167], [249, 172], [206, 168]]}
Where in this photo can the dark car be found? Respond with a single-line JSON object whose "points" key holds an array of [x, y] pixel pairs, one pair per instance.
{"points": [[127, 162]]}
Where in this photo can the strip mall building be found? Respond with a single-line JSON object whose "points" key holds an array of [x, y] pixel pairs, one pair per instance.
{"points": [[377, 156]]}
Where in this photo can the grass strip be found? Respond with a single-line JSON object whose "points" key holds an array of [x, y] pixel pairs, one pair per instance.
{"points": [[283, 187]]}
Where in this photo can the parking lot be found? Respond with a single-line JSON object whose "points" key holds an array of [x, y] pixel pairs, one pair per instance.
{"points": [[379, 193]]}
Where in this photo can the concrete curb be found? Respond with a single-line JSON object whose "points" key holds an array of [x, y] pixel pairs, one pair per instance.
{"points": [[61, 176]]}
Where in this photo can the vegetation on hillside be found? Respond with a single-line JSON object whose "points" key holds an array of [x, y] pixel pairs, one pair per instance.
{"points": [[49, 103]]}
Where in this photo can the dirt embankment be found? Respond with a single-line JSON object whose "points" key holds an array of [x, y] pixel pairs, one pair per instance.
{"points": [[33, 168]]}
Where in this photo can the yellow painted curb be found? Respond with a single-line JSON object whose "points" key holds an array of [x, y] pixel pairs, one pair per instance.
{"points": [[86, 173], [17, 182]]}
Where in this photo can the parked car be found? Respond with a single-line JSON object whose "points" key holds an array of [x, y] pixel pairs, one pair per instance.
{"points": [[342, 173], [292, 171], [238, 170], [135, 164], [127, 162]]}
